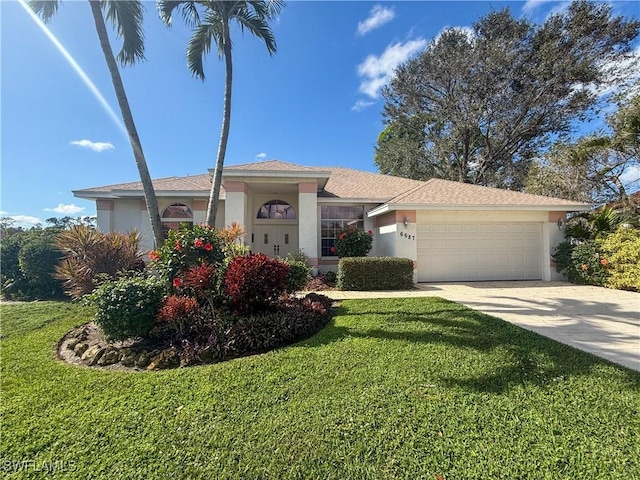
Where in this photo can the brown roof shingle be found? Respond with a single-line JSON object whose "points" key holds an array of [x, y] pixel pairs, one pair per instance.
{"points": [[445, 192], [348, 183]]}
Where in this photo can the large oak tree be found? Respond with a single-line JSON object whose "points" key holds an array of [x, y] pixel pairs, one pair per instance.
{"points": [[476, 106]]}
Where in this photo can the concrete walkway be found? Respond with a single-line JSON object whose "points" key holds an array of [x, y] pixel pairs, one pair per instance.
{"points": [[597, 320]]}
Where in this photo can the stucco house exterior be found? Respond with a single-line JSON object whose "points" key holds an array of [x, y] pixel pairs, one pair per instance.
{"points": [[452, 231]]}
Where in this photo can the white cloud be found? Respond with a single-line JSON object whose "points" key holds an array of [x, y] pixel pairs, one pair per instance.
{"points": [[361, 105], [377, 70], [631, 175], [2, 212], [531, 5], [261, 155], [95, 146], [25, 221], [378, 16], [623, 77], [69, 209], [560, 7]]}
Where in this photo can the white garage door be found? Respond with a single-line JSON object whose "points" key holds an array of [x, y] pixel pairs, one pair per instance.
{"points": [[479, 251]]}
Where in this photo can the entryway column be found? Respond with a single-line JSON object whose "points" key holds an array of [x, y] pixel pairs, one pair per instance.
{"points": [[235, 204], [308, 220]]}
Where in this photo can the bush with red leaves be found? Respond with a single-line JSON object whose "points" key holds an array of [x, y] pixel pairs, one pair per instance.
{"points": [[177, 311], [255, 281]]}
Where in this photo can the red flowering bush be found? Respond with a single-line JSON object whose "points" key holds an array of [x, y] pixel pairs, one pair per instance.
{"points": [[188, 247], [353, 243], [255, 281]]}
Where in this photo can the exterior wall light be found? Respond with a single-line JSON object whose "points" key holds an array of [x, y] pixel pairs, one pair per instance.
{"points": [[560, 224], [406, 221]]}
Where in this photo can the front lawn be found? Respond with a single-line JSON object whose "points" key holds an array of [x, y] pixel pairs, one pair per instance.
{"points": [[394, 388]]}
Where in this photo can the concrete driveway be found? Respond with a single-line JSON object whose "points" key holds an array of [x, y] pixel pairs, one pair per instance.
{"points": [[597, 320]]}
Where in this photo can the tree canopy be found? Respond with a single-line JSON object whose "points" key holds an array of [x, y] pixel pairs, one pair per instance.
{"points": [[598, 168], [477, 106]]}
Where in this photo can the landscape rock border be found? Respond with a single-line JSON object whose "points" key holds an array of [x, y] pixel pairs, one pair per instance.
{"points": [[86, 346]]}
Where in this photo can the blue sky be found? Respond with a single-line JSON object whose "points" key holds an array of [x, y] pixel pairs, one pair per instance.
{"points": [[316, 102]]}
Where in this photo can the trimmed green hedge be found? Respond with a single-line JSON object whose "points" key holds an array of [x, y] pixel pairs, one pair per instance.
{"points": [[375, 273]]}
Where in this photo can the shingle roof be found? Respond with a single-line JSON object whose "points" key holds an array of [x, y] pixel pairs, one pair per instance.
{"points": [[445, 192], [194, 182], [273, 166], [348, 183]]}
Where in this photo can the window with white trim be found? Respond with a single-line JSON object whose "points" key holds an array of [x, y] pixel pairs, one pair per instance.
{"points": [[334, 219], [276, 209], [174, 216]]}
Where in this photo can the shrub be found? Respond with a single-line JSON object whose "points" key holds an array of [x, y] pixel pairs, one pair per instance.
{"points": [[38, 258], [589, 265], [297, 256], [255, 281], [293, 321], [622, 251], [564, 262], [9, 262], [127, 307], [299, 275], [179, 311], [353, 243], [92, 256], [27, 260], [375, 273], [186, 248], [331, 277]]}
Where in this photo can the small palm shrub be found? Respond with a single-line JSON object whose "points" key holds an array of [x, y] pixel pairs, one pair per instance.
{"points": [[254, 282], [622, 251], [127, 307], [91, 256], [353, 243]]}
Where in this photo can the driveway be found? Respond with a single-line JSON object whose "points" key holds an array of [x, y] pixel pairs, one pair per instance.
{"points": [[597, 320]]}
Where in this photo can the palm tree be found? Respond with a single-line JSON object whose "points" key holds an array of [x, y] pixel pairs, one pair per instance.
{"points": [[126, 17], [211, 21]]}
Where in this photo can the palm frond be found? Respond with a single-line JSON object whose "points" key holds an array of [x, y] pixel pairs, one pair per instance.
{"points": [[259, 28], [126, 17], [199, 45], [45, 9], [187, 9]]}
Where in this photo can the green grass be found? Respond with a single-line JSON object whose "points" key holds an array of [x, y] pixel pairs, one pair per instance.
{"points": [[402, 388]]}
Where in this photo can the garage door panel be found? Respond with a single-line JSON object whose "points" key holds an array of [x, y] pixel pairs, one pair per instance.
{"points": [[479, 251]]}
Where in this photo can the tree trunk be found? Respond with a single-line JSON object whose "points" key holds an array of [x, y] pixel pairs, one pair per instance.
{"points": [[224, 135], [127, 117]]}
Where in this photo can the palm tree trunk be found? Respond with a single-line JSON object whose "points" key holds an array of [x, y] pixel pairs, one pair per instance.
{"points": [[127, 117], [224, 135]]}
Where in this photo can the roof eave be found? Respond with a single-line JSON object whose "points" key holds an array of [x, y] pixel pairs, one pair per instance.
{"points": [[112, 194], [577, 207]]}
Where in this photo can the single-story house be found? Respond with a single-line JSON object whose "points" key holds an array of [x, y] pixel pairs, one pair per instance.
{"points": [[452, 231]]}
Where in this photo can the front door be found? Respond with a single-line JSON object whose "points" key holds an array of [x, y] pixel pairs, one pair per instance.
{"points": [[274, 240]]}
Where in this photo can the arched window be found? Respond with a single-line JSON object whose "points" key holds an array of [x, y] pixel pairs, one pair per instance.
{"points": [[175, 215], [277, 209]]}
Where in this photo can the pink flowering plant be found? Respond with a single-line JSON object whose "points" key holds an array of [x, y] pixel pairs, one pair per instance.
{"points": [[353, 242], [186, 248]]}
